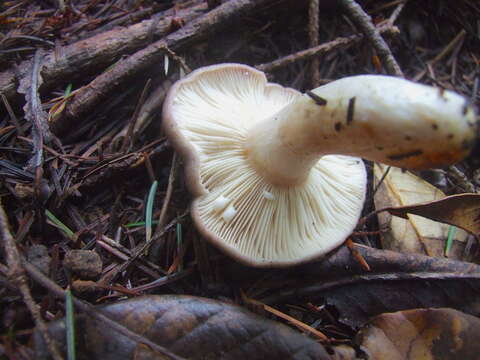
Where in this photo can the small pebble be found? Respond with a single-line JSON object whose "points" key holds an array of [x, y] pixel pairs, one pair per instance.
{"points": [[84, 287], [86, 264]]}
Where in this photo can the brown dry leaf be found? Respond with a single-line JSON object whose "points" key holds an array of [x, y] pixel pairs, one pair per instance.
{"points": [[413, 233], [418, 334], [191, 327], [462, 210], [396, 281]]}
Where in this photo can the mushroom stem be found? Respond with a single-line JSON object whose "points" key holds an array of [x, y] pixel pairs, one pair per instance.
{"points": [[379, 118]]}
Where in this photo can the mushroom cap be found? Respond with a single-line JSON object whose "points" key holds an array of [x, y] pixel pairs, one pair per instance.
{"points": [[207, 116]]}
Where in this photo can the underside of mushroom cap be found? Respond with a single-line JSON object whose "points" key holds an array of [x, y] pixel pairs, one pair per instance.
{"points": [[207, 116]]}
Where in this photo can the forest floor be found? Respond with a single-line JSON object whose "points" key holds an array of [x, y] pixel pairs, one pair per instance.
{"points": [[85, 165]]}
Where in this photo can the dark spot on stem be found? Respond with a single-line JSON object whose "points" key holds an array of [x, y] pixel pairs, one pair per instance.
{"points": [[434, 126], [318, 100], [350, 110], [450, 136], [441, 91], [471, 124], [338, 126], [465, 107], [379, 148], [405, 155], [408, 138]]}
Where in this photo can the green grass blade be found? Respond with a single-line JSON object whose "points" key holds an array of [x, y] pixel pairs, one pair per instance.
{"points": [[70, 325], [448, 245], [139, 223], [56, 221], [68, 90], [149, 210], [179, 242], [166, 63]]}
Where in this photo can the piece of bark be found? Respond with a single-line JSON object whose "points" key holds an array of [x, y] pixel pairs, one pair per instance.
{"points": [[98, 52], [105, 84], [87, 264]]}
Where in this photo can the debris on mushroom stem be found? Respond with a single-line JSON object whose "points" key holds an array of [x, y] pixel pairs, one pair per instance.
{"points": [[268, 195], [229, 213], [220, 203]]}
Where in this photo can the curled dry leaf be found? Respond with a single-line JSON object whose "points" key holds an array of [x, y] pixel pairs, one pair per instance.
{"points": [[416, 230], [422, 334], [190, 327]]}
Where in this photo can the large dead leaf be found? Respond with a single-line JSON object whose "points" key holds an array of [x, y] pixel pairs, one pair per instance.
{"points": [[395, 282], [427, 334], [191, 327], [416, 231]]}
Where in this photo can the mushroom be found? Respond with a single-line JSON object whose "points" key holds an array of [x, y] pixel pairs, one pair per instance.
{"points": [[277, 175]]}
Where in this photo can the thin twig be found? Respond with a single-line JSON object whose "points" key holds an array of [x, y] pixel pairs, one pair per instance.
{"points": [[50, 150], [99, 50], [313, 10], [178, 59], [364, 22], [151, 105], [299, 324], [37, 116], [17, 276], [396, 13], [168, 196], [164, 280], [382, 179], [460, 178], [456, 41], [29, 85], [128, 140], [89, 96], [320, 49], [61, 6], [140, 250], [451, 45], [13, 118], [357, 255], [123, 253]]}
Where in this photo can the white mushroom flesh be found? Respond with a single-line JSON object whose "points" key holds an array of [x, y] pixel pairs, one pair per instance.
{"points": [[217, 111], [268, 195], [229, 213], [379, 118], [220, 203]]}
